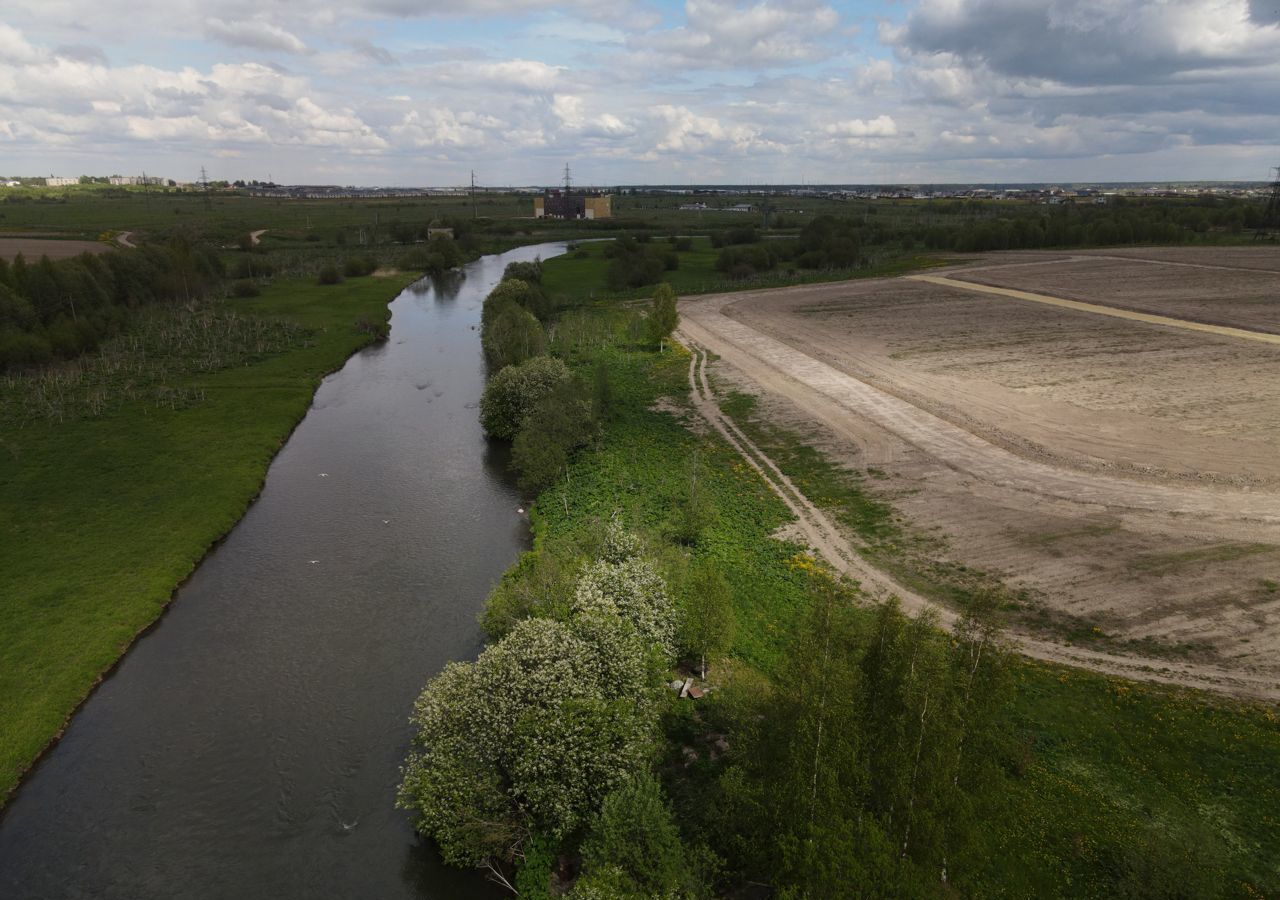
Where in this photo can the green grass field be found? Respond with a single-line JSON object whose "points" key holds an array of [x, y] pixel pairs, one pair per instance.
{"points": [[101, 517]]}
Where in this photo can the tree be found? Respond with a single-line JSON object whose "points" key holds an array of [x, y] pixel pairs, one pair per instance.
{"points": [[511, 336], [635, 834], [515, 391], [559, 423], [663, 317], [707, 624], [525, 739], [633, 590]]}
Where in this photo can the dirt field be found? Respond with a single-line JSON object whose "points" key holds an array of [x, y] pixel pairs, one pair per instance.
{"points": [[34, 248], [1218, 296], [1123, 475]]}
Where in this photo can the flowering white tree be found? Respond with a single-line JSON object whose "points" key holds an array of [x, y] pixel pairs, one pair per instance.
{"points": [[531, 736]]}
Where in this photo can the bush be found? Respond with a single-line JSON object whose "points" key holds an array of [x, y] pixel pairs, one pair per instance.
{"points": [[514, 392], [528, 272], [559, 423], [245, 289], [329, 275], [635, 835], [359, 266], [511, 335]]}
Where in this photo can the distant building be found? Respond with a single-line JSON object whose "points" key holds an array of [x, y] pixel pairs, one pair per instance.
{"points": [[54, 181], [129, 180], [558, 205], [13, 184]]}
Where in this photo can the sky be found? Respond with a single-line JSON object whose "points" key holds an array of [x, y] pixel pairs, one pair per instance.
{"points": [[422, 92]]}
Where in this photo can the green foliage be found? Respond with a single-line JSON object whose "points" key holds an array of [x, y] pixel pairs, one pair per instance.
{"points": [[359, 266], [695, 510], [64, 308], [528, 272], [515, 392], [875, 755], [636, 264], [509, 332], [547, 721], [329, 275], [635, 836], [533, 878], [559, 423], [663, 317], [706, 621]]}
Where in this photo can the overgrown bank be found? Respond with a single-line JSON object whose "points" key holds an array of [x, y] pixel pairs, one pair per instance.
{"points": [[116, 478], [801, 768]]}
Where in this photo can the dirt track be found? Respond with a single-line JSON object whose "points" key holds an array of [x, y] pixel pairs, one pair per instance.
{"points": [[1187, 558], [34, 248]]}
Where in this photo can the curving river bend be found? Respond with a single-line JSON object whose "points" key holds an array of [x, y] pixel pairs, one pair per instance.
{"points": [[249, 745]]}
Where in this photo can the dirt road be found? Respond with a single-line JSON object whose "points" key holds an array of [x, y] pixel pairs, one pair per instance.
{"points": [[827, 539]]}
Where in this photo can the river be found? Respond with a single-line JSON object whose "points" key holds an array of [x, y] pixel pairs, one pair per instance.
{"points": [[249, 745]]}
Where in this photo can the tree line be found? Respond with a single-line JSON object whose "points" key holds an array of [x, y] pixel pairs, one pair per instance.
{"points": [[60, 309], [535, 401]]}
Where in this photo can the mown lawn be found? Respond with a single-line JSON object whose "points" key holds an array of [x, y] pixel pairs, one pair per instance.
{"points": [[101, 518]]}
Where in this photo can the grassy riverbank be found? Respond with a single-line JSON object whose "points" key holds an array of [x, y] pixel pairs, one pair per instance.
{"points": [[103, 513], [1106, 788]]}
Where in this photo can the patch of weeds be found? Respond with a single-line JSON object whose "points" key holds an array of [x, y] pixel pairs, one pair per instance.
{"points": [[1166, 563]]}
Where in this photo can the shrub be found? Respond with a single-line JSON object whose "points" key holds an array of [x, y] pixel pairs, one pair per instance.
{"points": [[329, 275], [511, 335], [635, 835], [514, 392], [359, 266], [245, 289]]}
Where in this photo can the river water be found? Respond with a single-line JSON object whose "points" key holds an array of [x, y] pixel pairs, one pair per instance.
{"points": [[249, 745]]}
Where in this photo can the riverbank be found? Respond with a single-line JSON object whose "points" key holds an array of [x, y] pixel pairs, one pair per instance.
{"points": [[1104, 788], [103, 517]]}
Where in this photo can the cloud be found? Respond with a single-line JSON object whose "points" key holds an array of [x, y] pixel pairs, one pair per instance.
{"points": [[880, 126], [724, 34], [254, 34], [1092, 42]]}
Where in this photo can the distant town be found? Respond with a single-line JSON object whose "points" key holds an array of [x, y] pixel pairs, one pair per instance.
{"points": [[701, 196]]}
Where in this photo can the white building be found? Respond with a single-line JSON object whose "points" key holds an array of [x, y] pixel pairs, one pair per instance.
{"points": [[126, 180], [54, 181]]}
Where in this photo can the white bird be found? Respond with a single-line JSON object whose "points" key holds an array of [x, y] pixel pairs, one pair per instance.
{"points": [[386, 521], [324, 474], [314, 561], [520, 509]]}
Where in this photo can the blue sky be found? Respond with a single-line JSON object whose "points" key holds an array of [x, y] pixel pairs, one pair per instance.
{"points": [[423, 91]]}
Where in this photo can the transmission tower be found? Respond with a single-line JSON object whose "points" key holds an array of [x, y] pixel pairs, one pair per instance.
{"points": [[1270, 223], [474, 213], [204, 183], [568, 181]]}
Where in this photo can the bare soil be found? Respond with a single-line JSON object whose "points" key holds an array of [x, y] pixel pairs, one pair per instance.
{"points": [[1121, 476], [34, 248], [1218, 296]]}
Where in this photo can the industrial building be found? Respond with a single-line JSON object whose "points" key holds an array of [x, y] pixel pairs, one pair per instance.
{"points": [[556, 204]]}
